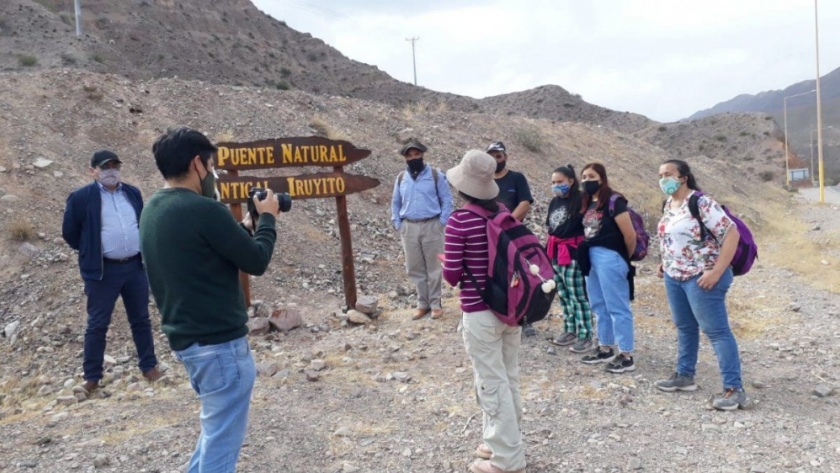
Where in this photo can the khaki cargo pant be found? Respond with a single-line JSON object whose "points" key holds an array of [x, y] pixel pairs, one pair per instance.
{"points": [[493, 348], [422, 243]]}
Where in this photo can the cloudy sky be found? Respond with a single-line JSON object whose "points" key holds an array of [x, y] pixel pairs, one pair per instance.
{"points": [[665, 59]]}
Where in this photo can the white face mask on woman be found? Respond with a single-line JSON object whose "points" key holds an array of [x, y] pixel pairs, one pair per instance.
{"points": [[109, 177]]}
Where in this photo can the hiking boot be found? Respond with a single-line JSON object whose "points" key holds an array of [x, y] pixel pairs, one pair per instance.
{"points": [[598, 356], [622, 363], [676, 382], [563, 340], [420, 313], [529, 331], [729, 400], [583, 345]]}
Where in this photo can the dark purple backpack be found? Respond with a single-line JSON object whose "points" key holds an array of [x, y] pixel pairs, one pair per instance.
{"points": [[513, 293], [642, 237], [747, 251]]}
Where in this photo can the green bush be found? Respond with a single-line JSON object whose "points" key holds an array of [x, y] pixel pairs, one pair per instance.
{"points": [[285, 71], [767, 176], [283, 85], [27, 61], [663, 128], [720, 138]]}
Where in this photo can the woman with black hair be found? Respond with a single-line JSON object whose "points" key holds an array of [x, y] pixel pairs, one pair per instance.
{"points": [[697, 277], [604, 258], [565, 232]]}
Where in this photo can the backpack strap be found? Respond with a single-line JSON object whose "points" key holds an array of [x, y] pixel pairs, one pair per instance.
{"points": [[614, 197], [694, 208], [434, 176]]}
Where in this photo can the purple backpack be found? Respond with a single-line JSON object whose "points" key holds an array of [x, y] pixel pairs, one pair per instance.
{"points": [[519, 270], [642, 237], [747, 251]]}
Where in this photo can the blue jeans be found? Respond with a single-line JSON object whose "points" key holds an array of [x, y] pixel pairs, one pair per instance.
{"points": [[609, 297], [694, 309], [129, 281], [223, 376]]}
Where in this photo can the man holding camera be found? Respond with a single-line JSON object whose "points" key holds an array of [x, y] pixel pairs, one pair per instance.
{"points": [[194, 250], [100, 222], [420, 206]]}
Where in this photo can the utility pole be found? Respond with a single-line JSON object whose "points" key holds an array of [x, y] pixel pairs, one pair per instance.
{"points": [[413, 59], [819, 109], [78, 11]]}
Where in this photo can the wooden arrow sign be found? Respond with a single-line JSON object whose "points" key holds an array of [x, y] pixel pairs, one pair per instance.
{"points": [[234, 189], [288, 152]]}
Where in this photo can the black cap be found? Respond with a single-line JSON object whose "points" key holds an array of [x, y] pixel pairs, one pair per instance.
{"points": [[413, 144], [497, 146], [103, 156]]}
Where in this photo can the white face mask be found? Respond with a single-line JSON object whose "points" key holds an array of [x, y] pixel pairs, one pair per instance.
{"points": [[109, 177]]}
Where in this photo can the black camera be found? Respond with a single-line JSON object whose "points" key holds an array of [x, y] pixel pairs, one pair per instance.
{"points": [[284, 200]]}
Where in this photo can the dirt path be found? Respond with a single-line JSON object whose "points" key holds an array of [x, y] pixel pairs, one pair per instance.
{"points": [[397, 397]]}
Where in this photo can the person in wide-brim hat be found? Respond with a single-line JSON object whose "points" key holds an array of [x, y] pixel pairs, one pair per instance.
{"points": [[492, 346], [474, 175]]}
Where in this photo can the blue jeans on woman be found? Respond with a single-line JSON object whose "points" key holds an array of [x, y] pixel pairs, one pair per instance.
{"points": [[609, 298], [694, 309], [223, 376]]}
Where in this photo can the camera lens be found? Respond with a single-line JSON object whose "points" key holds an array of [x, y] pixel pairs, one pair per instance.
{"points": [[284, 200]]}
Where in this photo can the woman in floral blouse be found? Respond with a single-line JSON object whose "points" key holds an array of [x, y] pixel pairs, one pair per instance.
{"points": [[697, 277]]}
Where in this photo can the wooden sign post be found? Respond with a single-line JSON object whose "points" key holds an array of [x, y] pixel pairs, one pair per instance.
{"points": [[296, 152]]}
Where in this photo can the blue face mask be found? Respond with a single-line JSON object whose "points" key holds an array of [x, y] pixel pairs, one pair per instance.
{"points": [[560, 189], [669, 185]]}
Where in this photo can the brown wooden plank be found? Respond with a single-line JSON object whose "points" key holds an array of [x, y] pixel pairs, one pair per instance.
{"points": [[234, 189], [244, 278], [348, 271], [288, 152]]}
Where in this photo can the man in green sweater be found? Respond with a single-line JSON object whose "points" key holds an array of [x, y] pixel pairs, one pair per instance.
{"points": [[194, 249]]}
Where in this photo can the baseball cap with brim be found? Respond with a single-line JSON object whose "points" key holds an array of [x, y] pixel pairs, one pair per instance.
{"points": [[103, 156], [415, 145], [497, 146], [474, 176]]}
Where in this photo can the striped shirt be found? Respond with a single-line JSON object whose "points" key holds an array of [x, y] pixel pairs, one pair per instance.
{"points": [[465, 245]]}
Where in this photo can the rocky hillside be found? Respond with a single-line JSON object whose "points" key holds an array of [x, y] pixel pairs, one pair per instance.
{"points": [[231, 42]]}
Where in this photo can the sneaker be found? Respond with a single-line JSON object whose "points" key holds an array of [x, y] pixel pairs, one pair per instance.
{"points": [[583, 345], [730, 400], [598, 356], [563, 340], [621, 364], [529, 331], [676, 382]]}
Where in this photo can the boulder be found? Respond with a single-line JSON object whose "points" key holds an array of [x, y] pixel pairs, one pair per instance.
{"points": [[285, 320], [258, 326], [367, 304]]}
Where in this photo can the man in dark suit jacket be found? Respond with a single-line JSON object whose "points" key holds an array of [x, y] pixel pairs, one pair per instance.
{"points": [[101, 223]]}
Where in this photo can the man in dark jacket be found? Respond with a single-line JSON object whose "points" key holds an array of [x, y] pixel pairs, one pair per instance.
{"points": [[101, 223]]}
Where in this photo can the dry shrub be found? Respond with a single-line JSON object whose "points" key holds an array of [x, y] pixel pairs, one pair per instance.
{"points": [[531, 138], [224, 136], [321, 127], [21, 231]]}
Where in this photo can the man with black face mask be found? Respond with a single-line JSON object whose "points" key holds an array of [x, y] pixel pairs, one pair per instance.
{"points": [[194, 250], [514, 192], [420, 206], [101, 222]]}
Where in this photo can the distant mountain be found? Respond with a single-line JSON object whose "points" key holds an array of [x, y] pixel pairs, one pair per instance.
{"points": [[801, 117], [771, 102]]}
